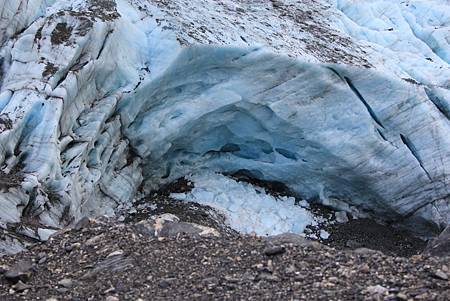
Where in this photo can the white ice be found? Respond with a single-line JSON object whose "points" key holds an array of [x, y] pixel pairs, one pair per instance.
{"points": [[248, 209]]}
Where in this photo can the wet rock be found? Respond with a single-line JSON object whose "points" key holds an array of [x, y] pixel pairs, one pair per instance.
{"points": [[21, 271]]}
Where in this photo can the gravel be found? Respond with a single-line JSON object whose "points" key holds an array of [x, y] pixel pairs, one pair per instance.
{"points": [[112, 261]]}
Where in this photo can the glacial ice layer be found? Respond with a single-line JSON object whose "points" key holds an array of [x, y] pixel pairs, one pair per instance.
{"points": [[99, 98]]}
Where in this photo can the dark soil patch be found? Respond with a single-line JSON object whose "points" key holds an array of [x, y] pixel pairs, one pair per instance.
{"points": [[61, 34], [358, 233], [5, 121], [50, 69], [13, 179]]}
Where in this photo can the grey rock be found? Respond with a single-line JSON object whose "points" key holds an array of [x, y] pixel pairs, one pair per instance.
{"points": [[341, 217], [145, 228], [440, 275], [66, 282], [21, 271], [440, 246], [274, 250], [20, 286], [291, 238]]}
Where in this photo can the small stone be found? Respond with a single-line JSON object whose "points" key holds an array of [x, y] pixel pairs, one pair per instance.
{"points": [[51, 299], [21, 271], [165, 283], [377, 290], [20, 286], [290, 269], [365, 268], [341, 217], [66, 282], [4, 269], [94, 240], [274, 250], [402, 296], [112, 298], [68, 248], [441, 275], [268, 277], [115, 253]]}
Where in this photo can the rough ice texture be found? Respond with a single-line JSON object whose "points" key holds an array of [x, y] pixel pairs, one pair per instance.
{"points": [[248, 209], [346, 102]]}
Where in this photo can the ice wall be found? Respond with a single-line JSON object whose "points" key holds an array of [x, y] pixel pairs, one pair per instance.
{"points": [[98, 96]]}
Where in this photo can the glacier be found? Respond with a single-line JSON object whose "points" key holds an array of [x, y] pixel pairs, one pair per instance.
{"points": [[345, 102]]}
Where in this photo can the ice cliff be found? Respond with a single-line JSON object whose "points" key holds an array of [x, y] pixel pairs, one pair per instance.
{"points": [[344, 101]]}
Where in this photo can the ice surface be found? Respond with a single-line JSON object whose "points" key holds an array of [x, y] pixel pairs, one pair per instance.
{"points": [[344, 101], [247, 208]]}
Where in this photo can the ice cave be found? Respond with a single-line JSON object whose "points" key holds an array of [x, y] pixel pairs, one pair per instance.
{"points": [[103, 101]]}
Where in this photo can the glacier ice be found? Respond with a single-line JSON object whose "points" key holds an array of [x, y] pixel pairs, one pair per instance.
{"points": [[248, 209], [346, 102]]}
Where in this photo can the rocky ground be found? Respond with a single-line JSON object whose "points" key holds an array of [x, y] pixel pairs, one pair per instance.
{"points": [[162, 249], [107, 260]]}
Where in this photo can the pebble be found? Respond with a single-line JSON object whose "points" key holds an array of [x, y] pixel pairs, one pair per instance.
{"points": [[377, 290], [441, 275], [112, 298], [115, 253], [274, 250], [165, 283], [66, 282]]}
